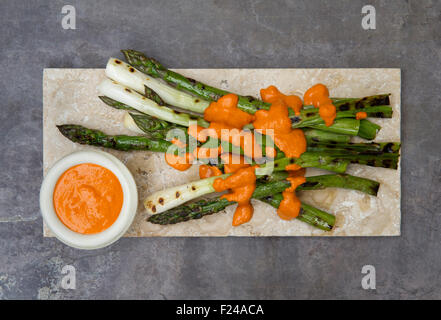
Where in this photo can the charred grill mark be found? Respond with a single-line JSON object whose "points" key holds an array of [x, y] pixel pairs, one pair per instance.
{"points": [[388, 148], [383, 101], [295, 119], [310, 184], [131, 69], [250, 98], [371, 163], [375, 189], [178, 194], [344, 107], [359, 105], [193, 188], [310, 114], [161, 201], [117, 61], [387, 163], [128, 90], [153, 208], [214, 96], [375, 101]]}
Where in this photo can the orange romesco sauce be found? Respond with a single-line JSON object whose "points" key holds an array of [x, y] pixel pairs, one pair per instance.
{"points": [[275, 122], [272, 94], [224, 114], [318, 96], [360, 115], [88, 198], [291, 142], [206, 153], [233, 162], [178, 143], [206, 171], [289, 207], [179, 162], [242, 185]]}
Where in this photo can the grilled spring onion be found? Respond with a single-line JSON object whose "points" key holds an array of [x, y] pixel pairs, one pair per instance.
{"points": [[130, 77], [269, 190]]}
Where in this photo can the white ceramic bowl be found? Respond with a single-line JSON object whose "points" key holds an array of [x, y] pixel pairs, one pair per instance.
{"points": [[122, 223]]}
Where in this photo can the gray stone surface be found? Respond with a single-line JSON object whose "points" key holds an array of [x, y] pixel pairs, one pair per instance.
{"points": [[224, 33]]}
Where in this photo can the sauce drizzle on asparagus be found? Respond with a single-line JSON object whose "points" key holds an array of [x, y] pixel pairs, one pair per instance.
{"points": [[318, 96], [275, 123]]}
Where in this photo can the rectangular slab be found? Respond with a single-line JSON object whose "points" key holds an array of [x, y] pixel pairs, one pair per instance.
{"points": [[70, 97]]}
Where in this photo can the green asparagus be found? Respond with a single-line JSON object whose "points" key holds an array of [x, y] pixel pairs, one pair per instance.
{"points": [[248, 104], [268, 186], [82, 135]]}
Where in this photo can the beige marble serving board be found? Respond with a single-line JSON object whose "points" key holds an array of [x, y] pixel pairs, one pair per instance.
{"points": [[70, 96]]}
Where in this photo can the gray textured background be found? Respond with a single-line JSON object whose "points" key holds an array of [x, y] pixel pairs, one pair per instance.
{"points": [[224, 33]]}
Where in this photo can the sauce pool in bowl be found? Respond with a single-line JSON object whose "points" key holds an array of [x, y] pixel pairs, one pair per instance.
{"points": [[88, 198]]}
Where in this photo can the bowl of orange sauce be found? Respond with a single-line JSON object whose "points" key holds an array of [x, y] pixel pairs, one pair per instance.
{"points": [[88, 199]]}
